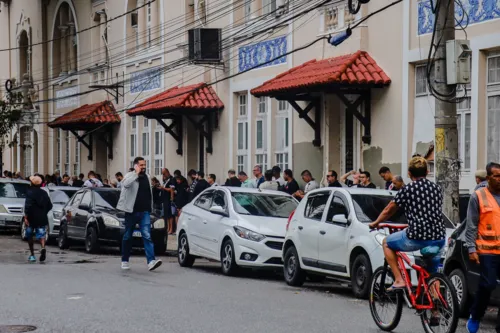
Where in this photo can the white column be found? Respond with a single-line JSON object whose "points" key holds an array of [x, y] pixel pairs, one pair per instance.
{"points": [[141, 23], [255, 5], [269, 132], [63, 45], [155, 31], [102, 44]]}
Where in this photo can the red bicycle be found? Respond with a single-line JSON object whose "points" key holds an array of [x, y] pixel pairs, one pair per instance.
{"points": [[434, 298]]}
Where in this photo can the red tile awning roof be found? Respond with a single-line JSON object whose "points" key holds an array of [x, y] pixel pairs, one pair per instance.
{"points": [[193, 98], [353, 70], [87, 117]]}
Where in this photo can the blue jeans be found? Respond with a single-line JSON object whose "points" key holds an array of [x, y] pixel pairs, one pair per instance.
{"points": [[144, 221], [39, 233], [430, 249], [490, 271]]}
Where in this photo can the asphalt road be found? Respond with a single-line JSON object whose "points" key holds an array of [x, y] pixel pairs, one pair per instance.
{"points": [[75, 292]]}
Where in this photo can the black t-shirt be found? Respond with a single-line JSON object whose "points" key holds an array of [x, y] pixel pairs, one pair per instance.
{"points": [[388, 185], [371, 185], [78, 183], [335, 184], [165, 195], [143, 200], [422, 201], [291, 187]]}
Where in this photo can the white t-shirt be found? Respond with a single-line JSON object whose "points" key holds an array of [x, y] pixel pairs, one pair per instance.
{"points": [[281, 181], [312, 185], [94, 182], [269, 185]]}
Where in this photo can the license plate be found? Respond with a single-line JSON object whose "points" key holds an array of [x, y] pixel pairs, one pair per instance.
{"points": [[137, 234]]}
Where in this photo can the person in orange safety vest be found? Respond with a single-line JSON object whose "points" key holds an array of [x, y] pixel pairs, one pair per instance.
{"points": [[483, 241]]}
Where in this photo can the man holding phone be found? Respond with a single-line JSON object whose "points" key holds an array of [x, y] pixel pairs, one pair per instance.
{"points": [[136, 200]]}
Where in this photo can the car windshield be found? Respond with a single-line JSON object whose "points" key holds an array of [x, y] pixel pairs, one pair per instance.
{"points": [[61, 196], [107, 199], [13, 190], [260, 204], [369, 207]]}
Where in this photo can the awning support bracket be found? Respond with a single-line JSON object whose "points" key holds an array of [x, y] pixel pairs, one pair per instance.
{"points": [[177, 134], [304, 114], [200, 126], [81, 139], [352, 107]]}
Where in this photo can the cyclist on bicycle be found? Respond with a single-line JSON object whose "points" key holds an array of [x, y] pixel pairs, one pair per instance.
{"points": [[422, 201]]}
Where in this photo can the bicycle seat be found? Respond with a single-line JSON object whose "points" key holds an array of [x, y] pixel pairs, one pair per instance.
{"points": [[430, 251]]}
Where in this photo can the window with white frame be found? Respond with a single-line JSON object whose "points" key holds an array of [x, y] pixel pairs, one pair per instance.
{"points": [[146, 122], [282, 136], [242, 133], [58, 149], [248, 10], [149, 14], [66, 153], [464, 131], [261, 160], [158, 158], [242, 105], [145, 144], [493, 91], [261, 134], [421, 80], [76, 166], [133, 145], [262, 105], [268, 6], [134, 122]]}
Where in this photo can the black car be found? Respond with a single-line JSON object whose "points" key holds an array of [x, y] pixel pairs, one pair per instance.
{"points": [[463, 274], [91, 216]]}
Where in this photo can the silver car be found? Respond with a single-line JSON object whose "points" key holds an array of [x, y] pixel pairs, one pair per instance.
{"points": [[12, 197]]}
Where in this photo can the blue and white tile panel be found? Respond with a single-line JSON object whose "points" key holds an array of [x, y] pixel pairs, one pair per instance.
{"points": [[145, 80], [251, 56], [478, 11]]}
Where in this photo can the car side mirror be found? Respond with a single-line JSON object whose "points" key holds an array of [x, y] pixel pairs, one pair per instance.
{"points": [[339, 218], [218, 210], [84, 207]]}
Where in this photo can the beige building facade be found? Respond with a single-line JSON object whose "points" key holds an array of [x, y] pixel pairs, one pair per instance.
{"points": [[72, 50]]}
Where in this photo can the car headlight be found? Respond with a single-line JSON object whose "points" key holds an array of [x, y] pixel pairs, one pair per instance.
{"points": [[159, 224], [57, 215], [111, 222], [3, 210], [380, 238], [248, 234]]}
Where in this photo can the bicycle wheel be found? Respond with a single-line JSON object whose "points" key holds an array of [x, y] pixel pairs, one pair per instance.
{"points": [[444, 317], [386, 308]]}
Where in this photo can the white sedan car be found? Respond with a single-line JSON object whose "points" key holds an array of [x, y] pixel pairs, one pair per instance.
{"points": [[240, 227], [328, 236]]}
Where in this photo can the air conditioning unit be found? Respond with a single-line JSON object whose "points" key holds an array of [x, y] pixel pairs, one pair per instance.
{"points": [[205, 45]]}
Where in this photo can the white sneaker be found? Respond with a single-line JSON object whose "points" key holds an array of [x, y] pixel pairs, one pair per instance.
{"points": [[154, 264], [125, 265]]}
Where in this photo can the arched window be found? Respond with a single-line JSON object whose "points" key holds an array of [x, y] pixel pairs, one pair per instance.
{"points": [[24, 55], [64, 52]]}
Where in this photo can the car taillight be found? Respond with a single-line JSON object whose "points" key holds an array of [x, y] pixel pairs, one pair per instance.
{"points": [[289, 219]]}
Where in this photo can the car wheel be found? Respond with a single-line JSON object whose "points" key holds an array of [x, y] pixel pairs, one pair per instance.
{"points": [[161, 246], [227, 258], [23, 231], [63, 240], [294, 274], [459, 282], [184, 258], [91, 241], [361, 274]]}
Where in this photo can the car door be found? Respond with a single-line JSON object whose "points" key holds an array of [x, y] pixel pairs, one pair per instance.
{"points": [[195, 217], [71, 211], [334, 236], [82, 215], [309, 227], [214, 224]]}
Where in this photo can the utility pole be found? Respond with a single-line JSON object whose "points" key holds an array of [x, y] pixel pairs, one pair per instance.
{"points": [[447, 164]]}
